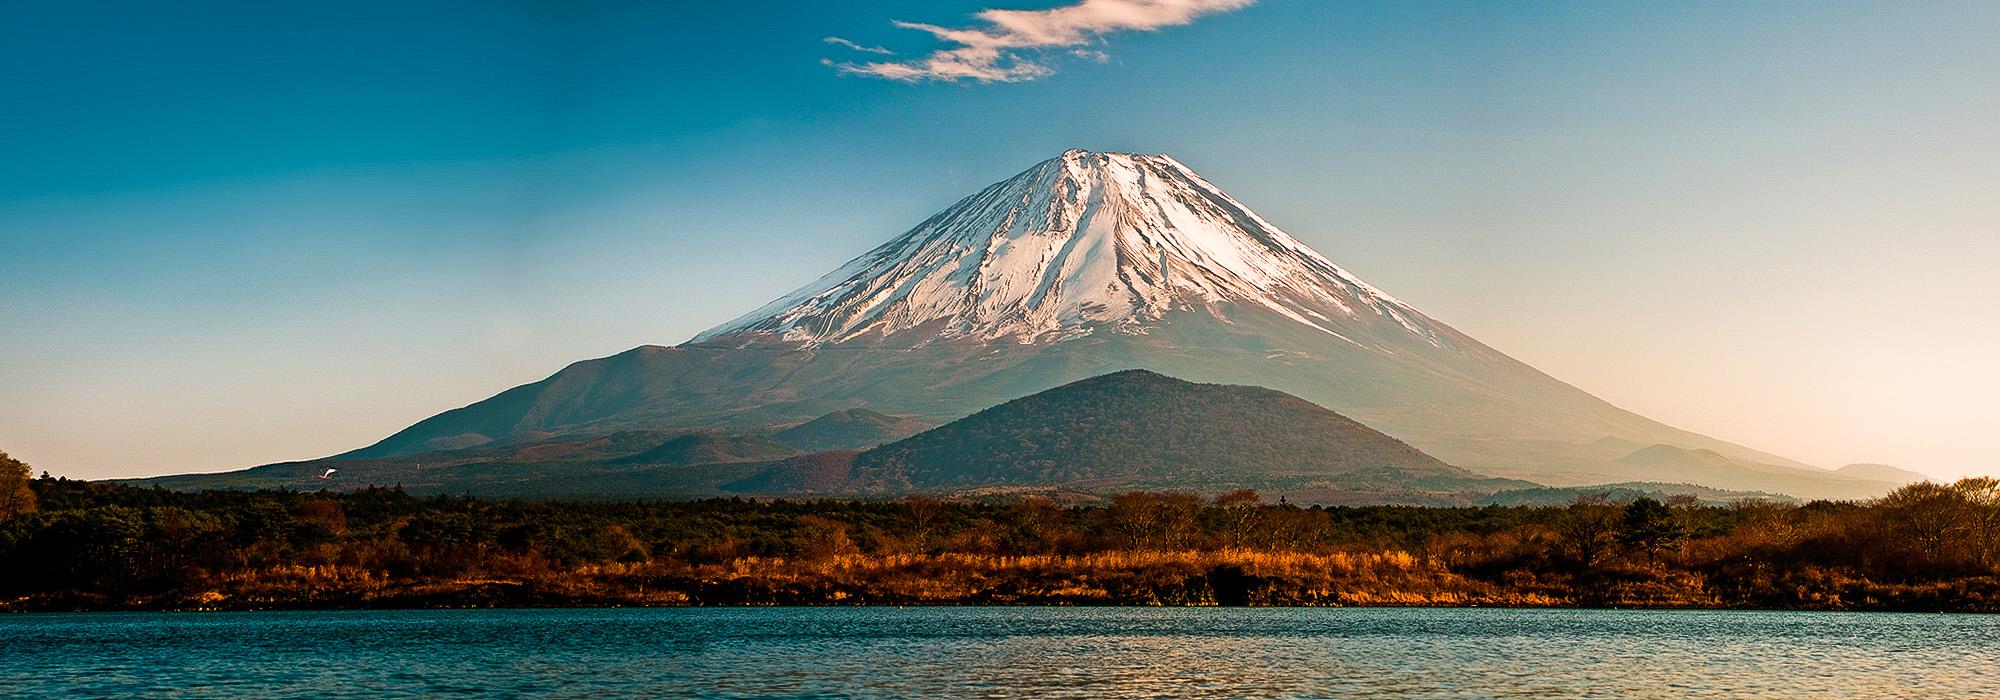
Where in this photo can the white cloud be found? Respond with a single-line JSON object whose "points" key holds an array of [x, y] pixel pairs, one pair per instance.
{"points": [[1011, 46], [857, 47]]}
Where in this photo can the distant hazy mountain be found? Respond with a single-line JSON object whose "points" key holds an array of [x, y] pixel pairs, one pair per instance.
{"points": [[1552, 496], [1881, 472], [1140, 430], [1085, 264], [1708, 468]]}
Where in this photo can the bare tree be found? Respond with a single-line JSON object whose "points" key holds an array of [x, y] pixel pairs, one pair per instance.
{"points": [[1928, 515], [1154, 520], [1772, 522], [823, 538], [1037, 525], [16, 498], [1982, 511], [1589, 527], [922, 515], [1233, 511]]}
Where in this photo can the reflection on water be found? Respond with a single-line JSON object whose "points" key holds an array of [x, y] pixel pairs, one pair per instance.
{"points": [[1003, 652]]}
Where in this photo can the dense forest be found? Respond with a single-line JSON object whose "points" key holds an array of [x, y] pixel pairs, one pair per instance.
{"points": [[83, 545]]}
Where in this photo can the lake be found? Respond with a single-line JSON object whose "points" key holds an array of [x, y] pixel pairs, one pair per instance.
{"points": [[1002, 652]]}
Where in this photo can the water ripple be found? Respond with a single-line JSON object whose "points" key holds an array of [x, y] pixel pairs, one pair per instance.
{"points": [[1002, 652]]}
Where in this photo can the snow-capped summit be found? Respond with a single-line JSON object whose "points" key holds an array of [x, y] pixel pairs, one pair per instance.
{"points": [[1079, 244]]}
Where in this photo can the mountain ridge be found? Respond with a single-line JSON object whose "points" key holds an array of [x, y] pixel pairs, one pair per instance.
{"points": [[1142, 420], [1078, 266], [1140, 430]]}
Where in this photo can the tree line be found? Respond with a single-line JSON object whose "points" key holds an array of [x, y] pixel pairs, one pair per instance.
{"points": [[68, 544]]}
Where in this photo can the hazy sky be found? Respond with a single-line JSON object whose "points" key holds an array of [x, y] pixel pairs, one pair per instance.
{"points": [[236, 233]]}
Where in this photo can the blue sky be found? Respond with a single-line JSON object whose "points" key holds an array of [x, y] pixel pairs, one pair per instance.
{"points": [[234, 233]]}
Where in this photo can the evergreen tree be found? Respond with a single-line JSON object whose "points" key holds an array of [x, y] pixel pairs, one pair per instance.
{"points": [[1650, 526]]}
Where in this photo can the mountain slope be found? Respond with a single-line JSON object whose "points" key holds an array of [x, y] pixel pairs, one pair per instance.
{"points": [[555, 467], [854, 428], [1086, 264], [711, 448]]}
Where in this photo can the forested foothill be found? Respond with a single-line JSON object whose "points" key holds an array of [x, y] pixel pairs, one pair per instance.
{"points": [[67, 545]]}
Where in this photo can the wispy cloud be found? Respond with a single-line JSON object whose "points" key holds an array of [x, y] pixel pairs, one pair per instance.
{"points": [[1013, 45], [857, 47]]}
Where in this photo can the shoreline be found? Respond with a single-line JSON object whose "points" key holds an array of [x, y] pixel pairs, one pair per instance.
{"points": [[7, 611], [527, 596]]}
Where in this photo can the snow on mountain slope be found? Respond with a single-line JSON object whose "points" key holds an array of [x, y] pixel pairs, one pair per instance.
{"points": [[1079, 244]]}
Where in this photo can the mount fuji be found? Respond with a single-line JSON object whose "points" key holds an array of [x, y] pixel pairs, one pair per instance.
{"points": [[1091, 263]]}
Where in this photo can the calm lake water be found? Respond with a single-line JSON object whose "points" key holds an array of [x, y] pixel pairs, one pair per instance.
{"points": [[1001, 652]]}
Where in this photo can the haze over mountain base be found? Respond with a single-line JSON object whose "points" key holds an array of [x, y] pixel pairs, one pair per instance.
{"points": [[1125, 431]]}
